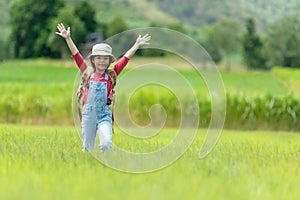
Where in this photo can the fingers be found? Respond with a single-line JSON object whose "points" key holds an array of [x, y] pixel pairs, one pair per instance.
{"points": [[61, 27], [147, 35], [145, 39], [63, 32]]}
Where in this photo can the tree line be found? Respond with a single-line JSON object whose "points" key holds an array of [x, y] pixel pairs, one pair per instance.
{"points": [[277, 46], [33, 24]]}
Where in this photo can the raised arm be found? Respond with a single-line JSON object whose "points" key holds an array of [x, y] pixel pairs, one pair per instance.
{"points": [[66, 34], [140, 41]]}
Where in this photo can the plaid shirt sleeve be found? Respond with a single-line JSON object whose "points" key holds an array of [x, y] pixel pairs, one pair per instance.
{"points": [[80, 62], [119, 66]]}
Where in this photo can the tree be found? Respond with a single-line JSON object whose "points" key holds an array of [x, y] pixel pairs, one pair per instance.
{"points": [[252, 47], [283, 41], [177, 27], [224, 36], [212, 50], [87, 14], [30, 28], [119, 42], [117, 25], [5, 50], [78, 31]]}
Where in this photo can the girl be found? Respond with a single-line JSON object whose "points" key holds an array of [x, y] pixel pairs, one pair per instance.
{"points": [[96, 115]]}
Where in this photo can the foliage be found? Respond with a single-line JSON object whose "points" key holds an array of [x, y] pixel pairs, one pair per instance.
{"points": [[224, 34], [222, 38], [32, 105], [263, 112], [178, 27], [205, 12], [5, 50], [252, 47], [87, 14], [193, 12], [30, 26], [282, 45], [114, 38], [175, 14], [5, 45], [78, 31], [117, 25], [213, 50]]}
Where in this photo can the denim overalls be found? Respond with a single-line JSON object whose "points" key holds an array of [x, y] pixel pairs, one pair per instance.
{"points": [[96, 116]]}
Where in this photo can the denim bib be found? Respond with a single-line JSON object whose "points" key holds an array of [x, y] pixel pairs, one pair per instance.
{"points": [[97, 100]]}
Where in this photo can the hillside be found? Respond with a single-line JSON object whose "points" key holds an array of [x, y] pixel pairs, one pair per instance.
{"points": [[203, 12], [136, 13], [192, 13]]}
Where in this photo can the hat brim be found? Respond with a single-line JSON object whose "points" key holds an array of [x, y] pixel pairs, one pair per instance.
{"points": [[102, 53]]}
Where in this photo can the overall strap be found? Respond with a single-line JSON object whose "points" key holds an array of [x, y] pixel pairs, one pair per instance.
{"points": [[106, 76]]}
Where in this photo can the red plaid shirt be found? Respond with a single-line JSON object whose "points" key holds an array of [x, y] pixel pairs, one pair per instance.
{"points": [[118, 67]]}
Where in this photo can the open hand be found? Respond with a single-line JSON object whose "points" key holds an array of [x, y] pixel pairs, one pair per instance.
{"points": [[63, 32], [140, 41]]}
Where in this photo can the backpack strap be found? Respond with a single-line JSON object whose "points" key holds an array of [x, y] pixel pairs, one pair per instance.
{"points": [[86, 75], [113, 76], [83, 84]]}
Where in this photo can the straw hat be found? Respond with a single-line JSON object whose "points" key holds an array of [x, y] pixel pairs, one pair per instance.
{"points": [[102, 49]]}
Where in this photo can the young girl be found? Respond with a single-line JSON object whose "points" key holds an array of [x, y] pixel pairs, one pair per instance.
{"points": [[96, 115]]}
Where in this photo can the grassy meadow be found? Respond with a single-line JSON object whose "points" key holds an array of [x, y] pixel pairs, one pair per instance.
{"points": [[40, 148], [41, 162]]}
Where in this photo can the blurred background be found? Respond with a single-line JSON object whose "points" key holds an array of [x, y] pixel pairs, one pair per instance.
{"points": [[258, 33], [255, 44]]}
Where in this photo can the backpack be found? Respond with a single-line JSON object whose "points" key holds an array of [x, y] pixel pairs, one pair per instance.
{"points": [[84, 84]]}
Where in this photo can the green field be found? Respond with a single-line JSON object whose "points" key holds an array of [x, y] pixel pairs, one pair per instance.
{"points": [[40, 92], [41, 162], [44, 73], [40, 159]]}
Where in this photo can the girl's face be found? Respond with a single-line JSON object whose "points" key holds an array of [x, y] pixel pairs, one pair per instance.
{"points": [[101, 63]]}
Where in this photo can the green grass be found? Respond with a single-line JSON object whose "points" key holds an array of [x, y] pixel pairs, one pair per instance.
{"points": [[38, 71], [44, 72], [288, 76], [41, 162], [254, 83]]}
